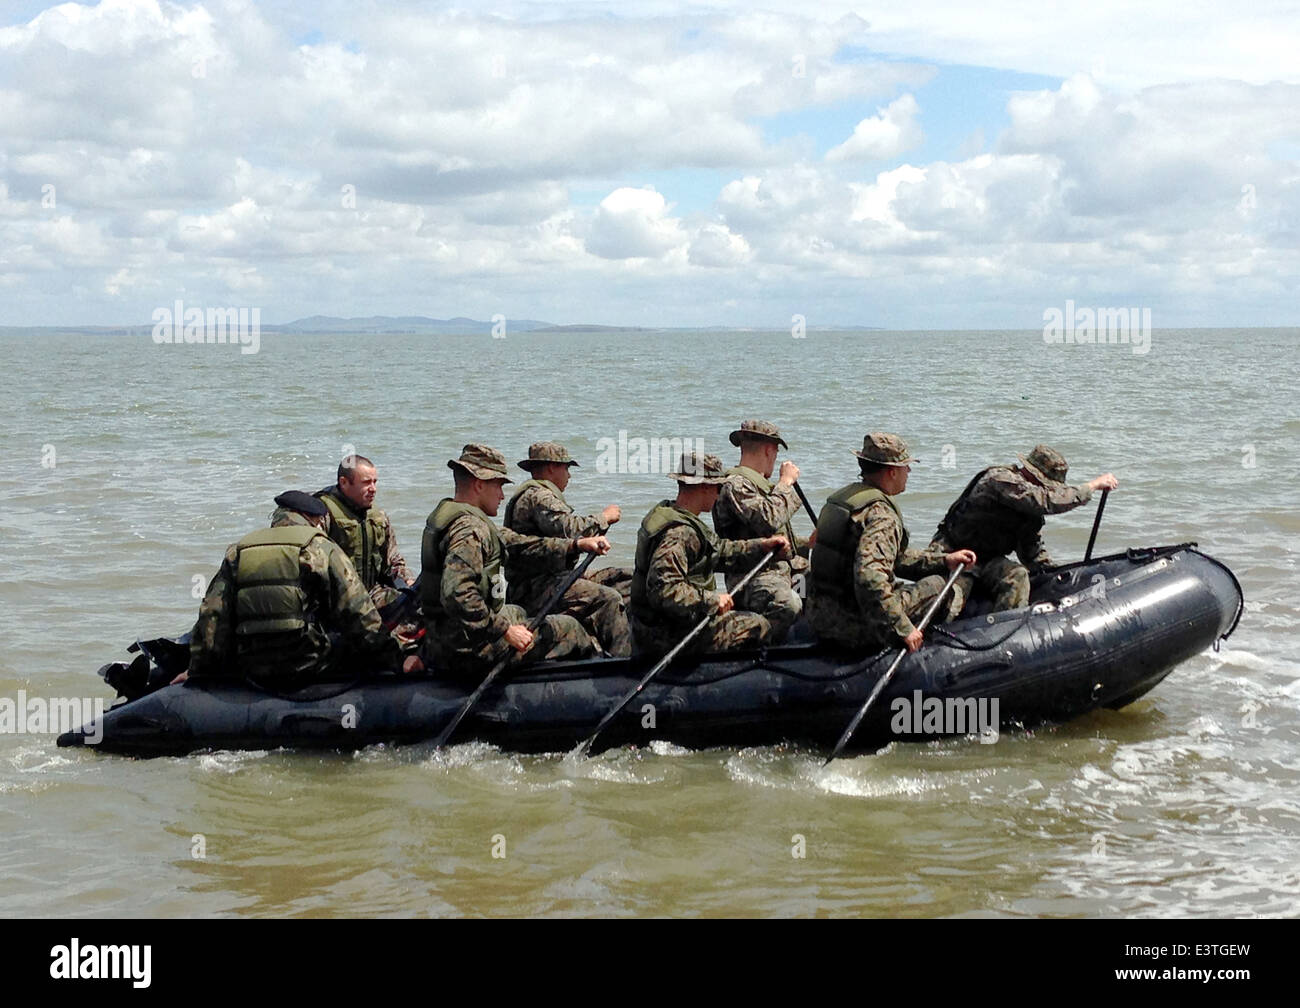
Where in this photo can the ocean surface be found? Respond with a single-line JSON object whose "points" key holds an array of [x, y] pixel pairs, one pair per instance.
{"points": [[136, 464]]}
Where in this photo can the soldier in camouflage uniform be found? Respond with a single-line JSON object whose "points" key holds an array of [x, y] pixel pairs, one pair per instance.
{"points": [[366, 534], [1002, 510], [538, 508], [853, 597], [749, 506], [287, 607], [468, 626], [673, 584]]}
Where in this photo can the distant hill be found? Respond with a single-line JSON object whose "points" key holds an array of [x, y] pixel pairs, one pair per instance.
{"points": [[401, 324]]}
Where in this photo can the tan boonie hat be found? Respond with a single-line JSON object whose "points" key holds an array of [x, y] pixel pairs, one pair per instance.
{"points": [[756, 429], [543, 452], [1046, 463], [481, 462], [885, 449], [696, 468]]}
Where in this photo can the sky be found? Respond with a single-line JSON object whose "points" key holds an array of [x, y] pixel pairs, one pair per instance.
{"points": [[928, 165]]}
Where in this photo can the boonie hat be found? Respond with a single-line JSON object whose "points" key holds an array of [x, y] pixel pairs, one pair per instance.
{"points": [[885, 449], [756, 429], [696, 468], [1046, 463], [481, 462], [543, 452]]}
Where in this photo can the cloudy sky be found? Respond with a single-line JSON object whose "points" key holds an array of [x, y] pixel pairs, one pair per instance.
{"points": [[908, 165]]}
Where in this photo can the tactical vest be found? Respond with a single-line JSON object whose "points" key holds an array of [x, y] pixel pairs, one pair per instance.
{"points": [[509, 521], [729, 528], [269, 597], [364, 537], [433, 556], [989, 528], [653, 526], [835, 551]]}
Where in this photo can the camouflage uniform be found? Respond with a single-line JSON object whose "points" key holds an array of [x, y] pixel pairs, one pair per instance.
{"points": [[371, 545], [750, 506], [854, 599], [405, 628], [463, 586], [1002, 511], [673, 583], [343, 633], [596, 600]]}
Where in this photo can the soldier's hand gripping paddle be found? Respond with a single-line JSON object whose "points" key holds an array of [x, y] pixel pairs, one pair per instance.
{"points": [[585, 746], [532, 624], [806, 506], [1096, 524], [884, 680]]}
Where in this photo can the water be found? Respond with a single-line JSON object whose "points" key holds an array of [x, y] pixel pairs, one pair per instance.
{"points": [[1185, 803]]}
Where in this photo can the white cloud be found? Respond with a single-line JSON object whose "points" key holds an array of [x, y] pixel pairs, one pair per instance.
{"points": [[633, 223], [892, 132]]}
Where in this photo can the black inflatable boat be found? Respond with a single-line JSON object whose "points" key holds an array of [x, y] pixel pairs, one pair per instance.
{"points": [[1096, 634]]}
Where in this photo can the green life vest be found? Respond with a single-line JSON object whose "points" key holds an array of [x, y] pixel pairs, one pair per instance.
{"points": [[433, 557], [269, 596], [835, 552], [985, 525], [727, 525], [653, 526], [362, 535], [510, 504]]}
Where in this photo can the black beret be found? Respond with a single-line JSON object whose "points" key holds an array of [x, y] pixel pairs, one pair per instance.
{"points": [[304, 503]]}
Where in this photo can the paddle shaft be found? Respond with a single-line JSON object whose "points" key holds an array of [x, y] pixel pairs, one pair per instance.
{"points": [[806, 506], [533, 624], [884, 680], [666, 660], [1096, 524]]}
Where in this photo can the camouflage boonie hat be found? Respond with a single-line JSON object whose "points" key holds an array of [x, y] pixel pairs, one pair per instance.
{"points": [[304, 503], [481, 462], [1046, 463], [885, 449], [756, 429], [696, 468], [542, 452]]}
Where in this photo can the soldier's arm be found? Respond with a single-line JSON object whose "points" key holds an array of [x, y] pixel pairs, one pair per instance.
{"points": [[351, 611], [1029, 498], [739, 555], [765, 514], [547, 552], [915, 564], [553, 517], [666, 580], [394, 563], [461, 598], [873, 569], [212, 641]]}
